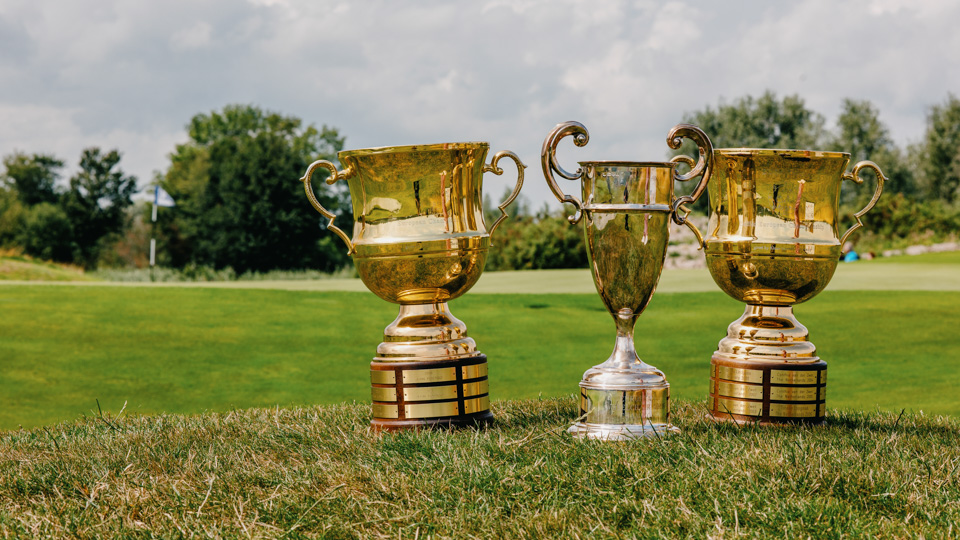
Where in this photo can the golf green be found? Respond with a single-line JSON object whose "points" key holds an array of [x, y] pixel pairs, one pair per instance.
{"points": [[63, 349]]}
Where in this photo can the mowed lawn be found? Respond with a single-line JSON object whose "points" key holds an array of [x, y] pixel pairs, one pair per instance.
{"points": [[190, 350]]}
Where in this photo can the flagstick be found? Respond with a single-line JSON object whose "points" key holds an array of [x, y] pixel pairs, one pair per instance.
{"points": [[153, 240], [167, 201]]}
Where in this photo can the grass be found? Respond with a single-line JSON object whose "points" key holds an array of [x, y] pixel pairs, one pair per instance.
{"points": [[190, 349], [947, 257], [317, 472], [885, 464], [14, 266]]}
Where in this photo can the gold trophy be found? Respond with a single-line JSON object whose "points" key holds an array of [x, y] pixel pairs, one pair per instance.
{"points": [[419, 240], [772, 242], [626, 210]]}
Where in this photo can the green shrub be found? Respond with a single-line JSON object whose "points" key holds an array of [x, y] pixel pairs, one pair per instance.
{"points": [[540, 242], [46, 233], [897, 221]]}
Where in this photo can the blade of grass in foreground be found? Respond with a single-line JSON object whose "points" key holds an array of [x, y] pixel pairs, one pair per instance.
{"points": [[318, 472]]}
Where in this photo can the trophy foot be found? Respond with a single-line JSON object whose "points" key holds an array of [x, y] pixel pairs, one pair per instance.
{"points": [[620, 432], [430, 393], [766, 371], [619, 414], [425, 332]]}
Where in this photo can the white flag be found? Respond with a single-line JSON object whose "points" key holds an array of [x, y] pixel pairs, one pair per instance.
{"points": [[162, 198]]}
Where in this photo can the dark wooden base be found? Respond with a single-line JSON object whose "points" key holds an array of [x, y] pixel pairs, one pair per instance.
{"points": [[467, 421], [430, 393], [767, 393]]}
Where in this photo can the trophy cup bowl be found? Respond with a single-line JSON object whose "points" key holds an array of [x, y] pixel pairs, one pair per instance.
{"points": [[772, 242], [626, 211], [419, 240]]}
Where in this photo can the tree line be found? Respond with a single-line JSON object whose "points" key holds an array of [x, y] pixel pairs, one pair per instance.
{"points": [[238, 204]]}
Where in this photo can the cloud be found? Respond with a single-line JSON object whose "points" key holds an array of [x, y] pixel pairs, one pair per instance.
{"points": [[194, 36], [132, 74]]}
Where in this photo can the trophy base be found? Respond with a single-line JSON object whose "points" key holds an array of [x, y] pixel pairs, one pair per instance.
{"points": [[749, 392], [620, 414], [430, 393], [766, 371], [620, 432]]}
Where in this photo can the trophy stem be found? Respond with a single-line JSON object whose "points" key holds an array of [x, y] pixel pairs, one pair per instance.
{"points": [[428, 372], [624, 354], [623, 398], [766, 371]]}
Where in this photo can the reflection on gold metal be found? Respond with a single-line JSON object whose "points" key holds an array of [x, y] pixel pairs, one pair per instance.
{"points": [[746, 408], [794, 393], [772, 241], [626, 208], [378, 376], [420, 376], [381, 410], [473, 372], [419, 240], [380, 393], [742, 391], [779, 376], [739, 374], [793, 410]]}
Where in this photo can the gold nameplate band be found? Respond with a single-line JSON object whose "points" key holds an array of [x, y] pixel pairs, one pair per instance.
{"points": [[778, 376], [420, 376], [473, 372], [428, 393], [742, 391], [449, 408], [795, 393], [740, 374], [792, 410], [383, 376], [745, 408]]}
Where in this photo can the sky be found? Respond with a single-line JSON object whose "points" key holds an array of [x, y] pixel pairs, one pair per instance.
{"points": [[130, 74]]}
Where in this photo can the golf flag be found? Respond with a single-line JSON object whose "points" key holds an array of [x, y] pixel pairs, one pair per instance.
{"points": [[162, 198]]}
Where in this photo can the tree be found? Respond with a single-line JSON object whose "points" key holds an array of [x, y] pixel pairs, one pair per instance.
{"points": [[239, 204], [96, 202], [861, 133], [528, 242], [11, 216], [940, 153], [33, 177], [46, 232], [764, 122]]}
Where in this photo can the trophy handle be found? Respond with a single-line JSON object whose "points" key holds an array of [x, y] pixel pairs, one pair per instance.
{"points": [[703, 168], [548, 158], [334, 176], [855, 176], [492, 167]]}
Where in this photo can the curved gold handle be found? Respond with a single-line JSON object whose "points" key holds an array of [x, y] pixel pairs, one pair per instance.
{"points": [[703, 168], [492, 167], [548, 159], [855, 176], [334, 176]]}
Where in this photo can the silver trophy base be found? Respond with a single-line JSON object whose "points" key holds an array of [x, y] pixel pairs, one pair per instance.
{"points": [[623, 400], [620, 432]]}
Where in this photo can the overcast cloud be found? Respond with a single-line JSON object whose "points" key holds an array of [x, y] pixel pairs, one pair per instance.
{"points": [[130, 75]]}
